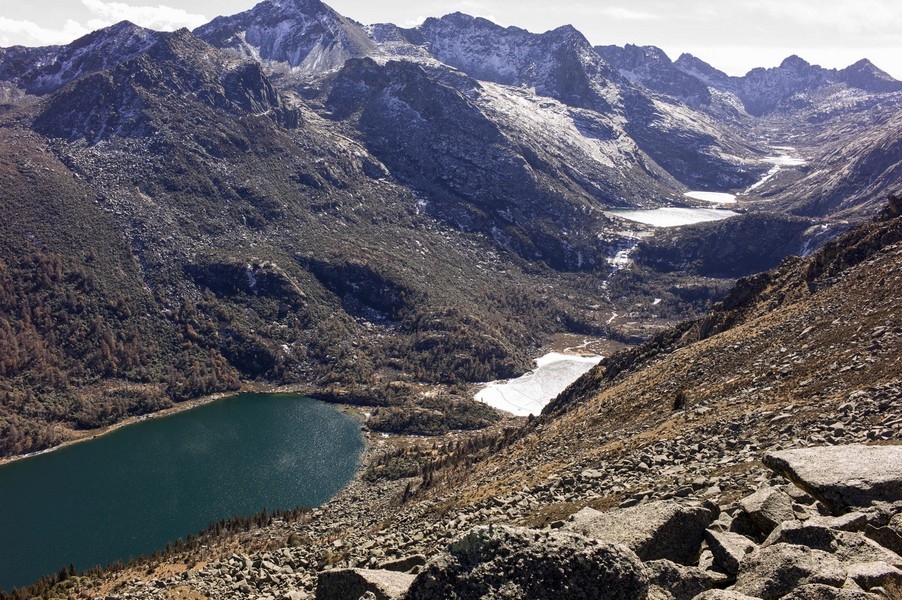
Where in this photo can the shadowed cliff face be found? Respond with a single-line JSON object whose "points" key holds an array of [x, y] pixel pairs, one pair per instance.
{"points": [[437, 140], [176, 70]]}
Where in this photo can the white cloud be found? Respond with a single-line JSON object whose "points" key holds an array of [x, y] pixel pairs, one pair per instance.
{"points": [[37, 35], [103, 14], [160, 17], [862, 18], [618, 13]]}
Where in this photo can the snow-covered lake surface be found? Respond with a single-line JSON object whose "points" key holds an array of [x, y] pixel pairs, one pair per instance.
{"points": [[530, 393], [715, 197], [786, 160], [672, 216]]}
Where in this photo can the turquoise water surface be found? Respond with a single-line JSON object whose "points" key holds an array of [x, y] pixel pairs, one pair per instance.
{"points": [[130, 492]]}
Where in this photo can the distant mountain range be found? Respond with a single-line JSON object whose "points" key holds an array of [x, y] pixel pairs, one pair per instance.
{"points": [[285, 195]]}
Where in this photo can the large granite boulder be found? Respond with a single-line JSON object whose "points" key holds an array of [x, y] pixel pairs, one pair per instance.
{"points": [[888, 537], [875, 574], [774, 571], [853, 547], [729, 549], [656, 530], [723, 595], [351, 584], [761, 512], [678, 581], [819, 591], [843, 476], [514, 562], [811, 533]]}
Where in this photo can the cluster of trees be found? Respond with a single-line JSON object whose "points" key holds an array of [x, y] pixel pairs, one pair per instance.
{"points": [[433, 416], [79, 353], [57, 585]]}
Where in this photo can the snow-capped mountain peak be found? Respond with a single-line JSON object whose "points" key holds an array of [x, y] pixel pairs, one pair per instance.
{"points": [[306, 35], [43, 70]]}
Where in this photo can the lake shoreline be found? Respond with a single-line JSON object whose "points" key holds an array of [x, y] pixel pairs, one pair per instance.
{"points": [[84, 435], [179, 473]]}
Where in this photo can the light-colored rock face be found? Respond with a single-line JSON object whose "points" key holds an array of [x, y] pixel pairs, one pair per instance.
{"points": [[342, 584], [819, 591], [843, 476], [761, 512], [657, 530], [723, 595], [729, 549], [678, 581], [875, 574], [776, 570]]}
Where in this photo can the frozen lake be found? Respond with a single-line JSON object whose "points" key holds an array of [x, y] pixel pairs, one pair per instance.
{"points": [[714, 197], [530, 393], [785, 160], [672, 216]]}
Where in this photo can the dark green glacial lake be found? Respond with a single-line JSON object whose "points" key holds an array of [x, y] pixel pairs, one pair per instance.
{"points": [[132, 491]]}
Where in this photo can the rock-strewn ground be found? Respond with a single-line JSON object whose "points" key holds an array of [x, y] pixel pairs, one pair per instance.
{"points": [[811, 359]]}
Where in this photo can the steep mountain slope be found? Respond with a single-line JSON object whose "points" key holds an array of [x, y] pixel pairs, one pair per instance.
{"points": [[43, 70], [305, 204], [652, 68], [805, 355], [561, 64], [305, 36], [855, 171], [479, 157]]}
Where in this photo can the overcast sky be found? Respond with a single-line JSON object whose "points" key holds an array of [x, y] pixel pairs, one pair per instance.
{"points": [[732, 35]]}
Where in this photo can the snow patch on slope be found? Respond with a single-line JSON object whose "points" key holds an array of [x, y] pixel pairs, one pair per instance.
{"points": [[558, 127]]}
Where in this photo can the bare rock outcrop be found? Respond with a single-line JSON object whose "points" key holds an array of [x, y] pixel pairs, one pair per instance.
{"points": [[761, 512], [347, 584], [514, 562], [678, 581], [843, 476], [656, 530], [729, 549], [775, 571]]}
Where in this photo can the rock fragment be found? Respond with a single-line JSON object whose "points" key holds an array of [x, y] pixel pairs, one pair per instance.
{"points": [[680, 582], [761, 512], [843, 476], [655, 530], [774, 571], [342, 584], [515, 562], [729, 549]]}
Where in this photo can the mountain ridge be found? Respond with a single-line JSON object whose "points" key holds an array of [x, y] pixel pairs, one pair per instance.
{"points": [[793, 371], [386, 217], [233, 149]]}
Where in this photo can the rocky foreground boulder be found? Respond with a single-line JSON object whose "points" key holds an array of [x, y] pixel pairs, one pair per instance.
{"points": [[379, 584], [656, 530], [513, 562], [843, 476], [778, 543]]}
